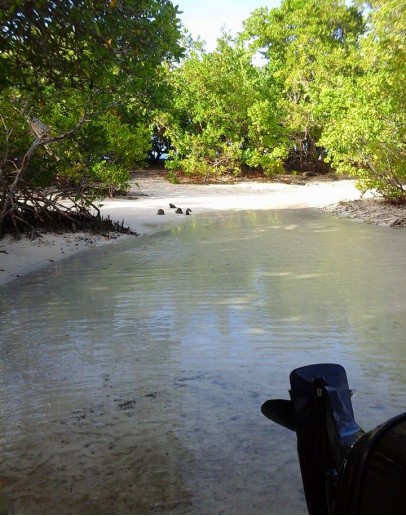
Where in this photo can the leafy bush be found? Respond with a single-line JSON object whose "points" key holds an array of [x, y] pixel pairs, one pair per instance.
{"points": [[366, 129], [223, 114], [112, 177], [80, 108]]}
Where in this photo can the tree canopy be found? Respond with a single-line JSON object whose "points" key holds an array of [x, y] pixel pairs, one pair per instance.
{"points": [[366, 129], [223, 114], [327, 95], [77, 81]]}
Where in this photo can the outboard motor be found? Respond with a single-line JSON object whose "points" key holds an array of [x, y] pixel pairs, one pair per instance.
{"points": [[344, 469]]}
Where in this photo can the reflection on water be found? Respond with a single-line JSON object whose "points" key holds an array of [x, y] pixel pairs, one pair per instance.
{"points": [[132, 376]]}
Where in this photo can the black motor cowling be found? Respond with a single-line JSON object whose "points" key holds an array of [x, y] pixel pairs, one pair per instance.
{"points": [[373, 475], [344, 470]]}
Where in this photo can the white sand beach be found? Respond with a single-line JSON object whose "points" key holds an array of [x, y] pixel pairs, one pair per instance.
{"points": [[19, 257]]}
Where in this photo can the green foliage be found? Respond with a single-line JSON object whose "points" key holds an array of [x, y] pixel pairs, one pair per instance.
{"points": [[222, 115], [341, 76], [14, 131], [109, 148], [306, 42], [86, 43], [123, 144], [80, 79], [111, 174], [268, 143], [127, 144], [366, 130]]}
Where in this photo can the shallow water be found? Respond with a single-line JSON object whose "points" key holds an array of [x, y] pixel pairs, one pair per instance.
{"points": [[132, 376]]}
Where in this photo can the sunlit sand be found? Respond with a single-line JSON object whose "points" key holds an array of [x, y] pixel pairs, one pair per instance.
{"points": [[21, 257]]}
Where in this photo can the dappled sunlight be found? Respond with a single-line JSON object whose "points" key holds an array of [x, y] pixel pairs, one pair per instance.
{"points": [[255, 331], [233, 301], [275, 274], [308, 276]]}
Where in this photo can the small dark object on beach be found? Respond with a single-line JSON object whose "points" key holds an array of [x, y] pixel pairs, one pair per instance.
{"points": [[188, 211], [161, 211], [179, 210], [171, 205]]}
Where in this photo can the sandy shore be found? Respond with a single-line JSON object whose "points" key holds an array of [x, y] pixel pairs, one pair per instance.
{"points": [[152, 193]]}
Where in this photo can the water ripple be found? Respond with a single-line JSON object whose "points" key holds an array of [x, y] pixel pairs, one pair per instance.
{"points": [[132, 376]]}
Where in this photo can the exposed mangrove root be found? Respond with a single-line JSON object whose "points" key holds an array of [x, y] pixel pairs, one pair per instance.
{"points": [[26, 208], [373, 211], [30, 223], [30, 211]]}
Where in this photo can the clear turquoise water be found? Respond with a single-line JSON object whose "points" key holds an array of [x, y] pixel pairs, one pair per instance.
{"points": [[132, 376]]}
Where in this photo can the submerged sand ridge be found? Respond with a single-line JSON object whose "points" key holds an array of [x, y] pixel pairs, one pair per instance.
{"points": [[152, 193]]}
